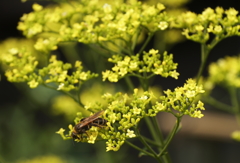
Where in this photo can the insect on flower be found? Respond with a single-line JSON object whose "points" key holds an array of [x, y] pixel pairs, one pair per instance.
{"points": [[86, 123]]}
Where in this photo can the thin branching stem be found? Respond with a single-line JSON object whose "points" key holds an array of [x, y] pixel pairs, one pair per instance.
{"points": [[152, 130], [129, 83], [134, 41], [67, 93], [150, 35], [235, 102], [152, 142], [148, 147], [205, 50], [171, 135], [218, 104], [138, 148], [160, 139], [204, 55]]}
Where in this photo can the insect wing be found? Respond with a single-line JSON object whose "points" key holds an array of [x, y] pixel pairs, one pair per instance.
{"points": [[88, 120]]}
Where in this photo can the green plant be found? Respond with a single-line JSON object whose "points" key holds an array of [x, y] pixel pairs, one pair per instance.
{"points": [[113, 30]]}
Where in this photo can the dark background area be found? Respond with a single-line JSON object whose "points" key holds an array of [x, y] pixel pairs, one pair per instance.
{"points": [[16, 103]]}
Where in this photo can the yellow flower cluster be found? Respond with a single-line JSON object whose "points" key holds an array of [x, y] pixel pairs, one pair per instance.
{"points": [[92, 22], [151, 64], [219, 22], [225, 72], [23, 68], [45, 45], [182, 100], [119, 24], [123, 113]]}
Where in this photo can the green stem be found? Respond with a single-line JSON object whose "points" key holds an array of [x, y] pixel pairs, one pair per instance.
{"points": [[67, 93], [109, 50], [215, 41], [171, 135], [205, 50], [74, 98], [152, 142], [238, 118], [144, 83], [146, 43], [129, 83], [235, 103], [204, 55], [99, 51], [150, 76], [152, 130], [127, 48], [124, 49], [134, 42], [78, 96], [136, 75], [234, 100], [140, 149], [148, 146], [160, 139], [157, 136], [212, 101]]}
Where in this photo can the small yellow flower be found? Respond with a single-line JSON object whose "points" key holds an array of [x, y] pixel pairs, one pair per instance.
{"points": [[136, 110], [107, 8], [160, 106], [135, 91], [60, 86], [107, 95], [190, 94], [144, 97], [33, 83], [123, 71], [93, 136], [219, 10], [217, 29], [199, 27], [111, 147], [113, 78], [231, 12], [163, 25], [200, 105], [37, 7], [197, 114], [160, 6], [60, 131], [78, 64], [105, 75], [130, 133], [113, 117], [13, 51], [83, 76], [153, 51], [174, 74], [133, 66]]}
